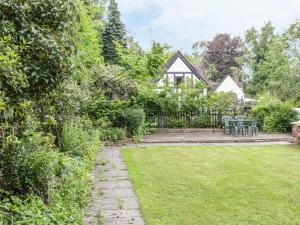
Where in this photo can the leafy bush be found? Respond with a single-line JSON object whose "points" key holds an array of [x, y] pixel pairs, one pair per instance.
{"points": [[40, 88], [39, 171], [177, 123], [29, 164], [137, 136], [280, 121], [132, 119], [46, 48], [113, 134], [67, 198], [101, 107], [78, 139], [72, 190], [59, 180], [31, 210], [149, 127], [274, 115], [202, 121]]}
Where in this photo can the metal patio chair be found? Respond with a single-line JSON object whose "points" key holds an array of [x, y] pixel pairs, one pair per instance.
{"points": [[227, 127], [253, 129], [240, 125]]}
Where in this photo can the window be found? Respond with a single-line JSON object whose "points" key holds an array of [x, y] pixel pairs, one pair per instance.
{"points": [[178, 81]]}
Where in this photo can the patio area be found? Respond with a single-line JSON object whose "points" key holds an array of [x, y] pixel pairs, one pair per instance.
{"points": [[210, 136]]}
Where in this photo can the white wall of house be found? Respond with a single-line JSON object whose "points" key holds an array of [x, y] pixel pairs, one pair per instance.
{"points": [[179, 66], [228, 85], [177, 69]]}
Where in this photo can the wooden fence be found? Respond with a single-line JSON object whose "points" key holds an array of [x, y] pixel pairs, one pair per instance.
{"points": [[199, 119]]}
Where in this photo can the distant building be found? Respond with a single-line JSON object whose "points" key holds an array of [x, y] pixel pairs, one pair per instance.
{"points": [[179, 70], [229, 85]]}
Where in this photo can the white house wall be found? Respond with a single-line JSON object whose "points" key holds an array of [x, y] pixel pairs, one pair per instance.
{"points": [[179, 66], [170, 77], [228, 85]]}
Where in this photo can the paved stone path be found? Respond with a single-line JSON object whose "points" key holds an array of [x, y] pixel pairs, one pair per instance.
{"points": [[208, 136], [114, 201]]}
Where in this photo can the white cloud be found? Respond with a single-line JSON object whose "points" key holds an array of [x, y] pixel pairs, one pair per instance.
{"points": [[181, 23]]}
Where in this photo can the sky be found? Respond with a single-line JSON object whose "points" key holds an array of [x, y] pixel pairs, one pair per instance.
{"points": [[180, 23]]}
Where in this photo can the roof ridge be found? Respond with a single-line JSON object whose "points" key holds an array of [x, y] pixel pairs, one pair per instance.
{"points": [[191, 67]]}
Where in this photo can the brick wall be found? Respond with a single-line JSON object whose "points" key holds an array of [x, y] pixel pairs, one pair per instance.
{"points": [[296, 130]]}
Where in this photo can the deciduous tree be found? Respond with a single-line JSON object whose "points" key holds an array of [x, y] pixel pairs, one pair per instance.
{"points": [[221, 53], [258, 44]]}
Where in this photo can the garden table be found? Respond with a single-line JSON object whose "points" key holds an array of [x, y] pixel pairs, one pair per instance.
{"points": [[236, 125]]}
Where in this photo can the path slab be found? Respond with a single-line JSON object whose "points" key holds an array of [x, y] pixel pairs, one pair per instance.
{"points": [[209, 136], [114, 201]]}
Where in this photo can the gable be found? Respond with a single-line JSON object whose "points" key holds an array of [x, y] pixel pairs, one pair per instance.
{"points": [[179, 66], [228, 85]]}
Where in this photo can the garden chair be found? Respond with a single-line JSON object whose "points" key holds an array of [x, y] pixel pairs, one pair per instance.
{"points": [[227, 127], [240, 125], [253, 129]]}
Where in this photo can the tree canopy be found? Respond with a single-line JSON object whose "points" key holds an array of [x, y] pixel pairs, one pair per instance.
{"points": [[273, 60], [220, 55]]}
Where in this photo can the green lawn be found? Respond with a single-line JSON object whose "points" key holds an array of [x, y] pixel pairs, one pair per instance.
{"points": [[217, 184]]}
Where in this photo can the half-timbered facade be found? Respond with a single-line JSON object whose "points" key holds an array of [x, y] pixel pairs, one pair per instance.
{"points": [[178, 70]]}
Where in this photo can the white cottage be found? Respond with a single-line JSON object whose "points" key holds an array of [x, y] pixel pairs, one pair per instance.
{"points": [[179, 70], [229, 85]]}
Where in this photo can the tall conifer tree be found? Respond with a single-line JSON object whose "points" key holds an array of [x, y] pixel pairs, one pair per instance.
{"points": [[113, 33]]}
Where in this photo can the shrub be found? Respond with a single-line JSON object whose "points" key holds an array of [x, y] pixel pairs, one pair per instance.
{"points": [[72, 190], [113, 134], [39, 171], [280, 121], [274, 115], [29, 164], [101, 108], [149, 127], [177, 123], [67, 197], [31, 210], [132, 119], [137, 136], [78, 139], [202, 121]]}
